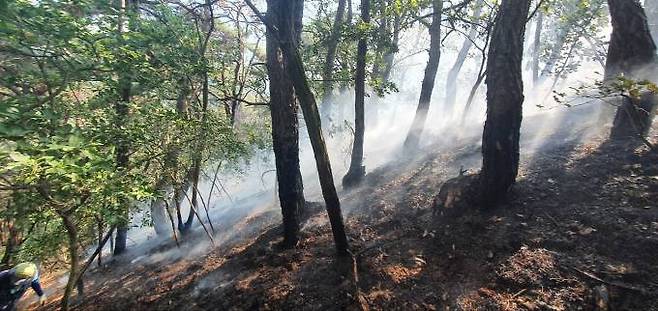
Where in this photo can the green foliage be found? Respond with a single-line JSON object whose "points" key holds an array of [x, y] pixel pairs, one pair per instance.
{"points": [[63, 66], [570, 29], [607, 91]]}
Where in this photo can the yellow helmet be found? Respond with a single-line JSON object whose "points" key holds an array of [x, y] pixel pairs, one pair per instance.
{"points": [[25, 270]]}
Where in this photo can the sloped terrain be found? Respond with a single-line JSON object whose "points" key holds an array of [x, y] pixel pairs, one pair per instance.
{"points": [[581, 227]]}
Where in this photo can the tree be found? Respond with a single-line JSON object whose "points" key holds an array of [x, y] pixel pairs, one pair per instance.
{"points": [[357, 171], [569, 23], [314, 127], [121, 110], [330, 59], [416, 130], [286, 16], [632, 53], [451, 81], [65, 71], [500, 141], [536, 51]]}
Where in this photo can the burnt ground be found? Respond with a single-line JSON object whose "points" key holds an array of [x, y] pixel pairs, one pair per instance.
{"points": [[581, 223]]}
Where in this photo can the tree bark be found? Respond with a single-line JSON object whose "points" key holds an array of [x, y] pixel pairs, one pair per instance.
{"points": [[72, 234], [413, 138], [357, 170], [500, 140], [312, 118], [122, 111], [631, 53], [537, 47], [121, 108], [12, 243], [309, 107], [283, 109], [451, 82], [328, 70]]}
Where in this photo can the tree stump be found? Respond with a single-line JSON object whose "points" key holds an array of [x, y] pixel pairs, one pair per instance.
{"points": [[456, 195]]}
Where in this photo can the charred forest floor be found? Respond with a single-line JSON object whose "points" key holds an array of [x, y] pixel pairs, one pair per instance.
{"points": [[581, 224]]}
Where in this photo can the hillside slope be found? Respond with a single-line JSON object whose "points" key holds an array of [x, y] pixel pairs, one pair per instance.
{"points": [[582, 223]]}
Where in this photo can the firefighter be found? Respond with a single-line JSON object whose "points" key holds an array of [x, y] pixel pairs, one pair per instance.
{"points": [[15, 281]]}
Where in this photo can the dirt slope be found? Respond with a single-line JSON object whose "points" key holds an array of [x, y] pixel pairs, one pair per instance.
{"points": [[582, 223]]}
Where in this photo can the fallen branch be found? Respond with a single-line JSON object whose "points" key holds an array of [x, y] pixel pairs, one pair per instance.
{"points": [[358, 295], [616, 284], [519, 293]]}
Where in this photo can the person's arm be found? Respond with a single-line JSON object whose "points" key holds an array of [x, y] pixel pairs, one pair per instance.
{"points": [[36, 286]]}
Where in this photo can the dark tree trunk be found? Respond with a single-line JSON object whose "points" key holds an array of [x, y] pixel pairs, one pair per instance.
{"points": [[500, 141], [631, 53], [309, 106], [418, 125], [537, 47], [121, 108], [357, 170], [283, 106], [313, 125], [453, 74], [328, 70]]}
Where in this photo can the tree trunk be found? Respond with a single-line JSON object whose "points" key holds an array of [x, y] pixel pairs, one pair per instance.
{"points": [[309, 107], [283, 109], [121, 110], [159, 214], [631, 53], [418, 125], [312, 118], [389, 30], [357, 170], [500, 141], [328, 70], [537, 47], [12, 243], [453, 74], [72, 234], [350, 15], [314, 127], [389, 57]]}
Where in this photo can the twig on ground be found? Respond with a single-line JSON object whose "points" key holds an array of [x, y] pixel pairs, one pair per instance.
{"points": [[616, 284]]}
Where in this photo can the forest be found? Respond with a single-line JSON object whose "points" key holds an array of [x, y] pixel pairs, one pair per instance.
{"points": [[328, 155]]}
